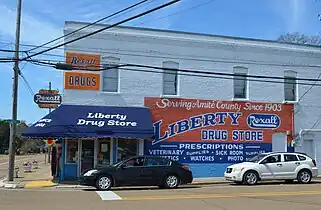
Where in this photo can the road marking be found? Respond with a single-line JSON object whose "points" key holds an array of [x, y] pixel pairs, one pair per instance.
{"points": [[203, 196], [108, 195]]}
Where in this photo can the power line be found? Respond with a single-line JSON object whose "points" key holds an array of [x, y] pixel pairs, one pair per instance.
{"points": [[178, 12], [203, 74], [190, 59], [171, 56], [86, 26], [105, 28], [309, 88], [191, 71]]}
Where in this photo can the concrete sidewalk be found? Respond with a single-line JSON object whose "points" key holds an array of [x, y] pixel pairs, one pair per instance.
{"points": [[38, 177]]}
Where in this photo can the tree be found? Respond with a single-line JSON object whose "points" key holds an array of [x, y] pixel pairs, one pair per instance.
{"points": [[21, 144], [299, 38]]}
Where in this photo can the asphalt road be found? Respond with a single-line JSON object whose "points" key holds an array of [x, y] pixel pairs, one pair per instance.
{"points": [[19, 159], [213, 197]]}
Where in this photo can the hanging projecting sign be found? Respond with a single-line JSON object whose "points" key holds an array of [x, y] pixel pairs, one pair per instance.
{"points": [[47, 98]]}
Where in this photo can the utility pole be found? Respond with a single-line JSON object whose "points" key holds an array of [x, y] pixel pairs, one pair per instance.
{"points": [[16, 70], [49, 149]]}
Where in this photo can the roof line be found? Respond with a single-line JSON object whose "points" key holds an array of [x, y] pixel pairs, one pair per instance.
{"points": [[198, 34]]}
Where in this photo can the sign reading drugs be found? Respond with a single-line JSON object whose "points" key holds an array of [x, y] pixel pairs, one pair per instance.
{"points": [[82, 81], [215, 131]]}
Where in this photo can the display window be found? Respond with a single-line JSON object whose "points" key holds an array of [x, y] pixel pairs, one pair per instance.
{"points": [[104, 151], [71, 151], [127, 148]]}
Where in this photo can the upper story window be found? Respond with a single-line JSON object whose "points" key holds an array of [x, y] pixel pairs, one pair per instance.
{"points": [[170, 78], [240, 82], [110, 77], [290, 86]]}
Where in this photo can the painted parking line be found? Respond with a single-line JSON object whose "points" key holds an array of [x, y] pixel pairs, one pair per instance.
{"points": [[108, 195], [204, 196]]}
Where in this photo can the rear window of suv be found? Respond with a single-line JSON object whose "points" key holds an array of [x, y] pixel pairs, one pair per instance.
{"points": [[302, 157]]}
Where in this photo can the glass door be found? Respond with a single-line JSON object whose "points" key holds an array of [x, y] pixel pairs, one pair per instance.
{"points": [[104, 152], [87, 155]]}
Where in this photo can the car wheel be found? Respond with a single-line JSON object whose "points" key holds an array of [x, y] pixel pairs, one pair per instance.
{"points": [[304, 177], [104, 183], [251, 178], [171, 181]]}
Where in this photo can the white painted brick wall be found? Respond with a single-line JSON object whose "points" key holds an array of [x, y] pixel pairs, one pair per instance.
{"points": [[151, 45]]}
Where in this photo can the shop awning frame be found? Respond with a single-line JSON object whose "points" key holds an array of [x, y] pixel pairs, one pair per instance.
{"points": [[87, 122]]}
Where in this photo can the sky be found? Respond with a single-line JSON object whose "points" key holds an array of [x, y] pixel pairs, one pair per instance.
{"points": [[42, 22]]}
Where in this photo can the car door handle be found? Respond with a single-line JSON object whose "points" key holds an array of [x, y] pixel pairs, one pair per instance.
{"points": [[279, 164]]}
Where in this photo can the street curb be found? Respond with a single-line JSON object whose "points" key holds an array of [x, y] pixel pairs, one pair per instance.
{"points": [[39, 184], [73, 187], [13, 185], [209, 183]]}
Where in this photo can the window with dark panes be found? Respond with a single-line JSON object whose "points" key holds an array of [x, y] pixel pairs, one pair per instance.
{"points": [[290, 86], [110, 75], [170, 78], [240, 81], [289, 158]]}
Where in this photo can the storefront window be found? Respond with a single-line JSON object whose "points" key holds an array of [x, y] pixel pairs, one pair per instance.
{"points": [[72, 151], [127, 148], [104, 152]]}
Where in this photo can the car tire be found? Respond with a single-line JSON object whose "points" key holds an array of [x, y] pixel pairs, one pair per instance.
{"points": [[251, 178], [171, 181], [104, 183], [304, 176]]}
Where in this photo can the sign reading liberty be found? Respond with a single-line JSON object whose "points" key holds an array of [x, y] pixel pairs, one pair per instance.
{"points": [[194, 122], [254, 121]]}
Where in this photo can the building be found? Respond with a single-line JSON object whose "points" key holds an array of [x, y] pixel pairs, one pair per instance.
{"points": [[206, 120]]}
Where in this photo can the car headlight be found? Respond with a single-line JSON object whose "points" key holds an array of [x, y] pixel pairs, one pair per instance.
{"points": [[237, 169], [91, 172]]}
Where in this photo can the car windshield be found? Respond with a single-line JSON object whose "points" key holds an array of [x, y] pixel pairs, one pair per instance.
{"points": [[117, 163], [257, 158]]}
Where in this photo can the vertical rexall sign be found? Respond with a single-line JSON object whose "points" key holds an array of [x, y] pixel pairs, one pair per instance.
{"points": [[207, 131]]}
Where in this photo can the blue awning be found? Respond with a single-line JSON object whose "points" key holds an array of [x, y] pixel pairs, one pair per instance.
{"points": [[78, 121]]}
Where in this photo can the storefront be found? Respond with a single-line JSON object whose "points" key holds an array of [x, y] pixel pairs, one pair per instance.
{"points": [[93, 136], [211, 134]]}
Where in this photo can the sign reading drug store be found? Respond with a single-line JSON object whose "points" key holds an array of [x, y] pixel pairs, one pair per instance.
{"points": [[80, 121], [207, 131]]}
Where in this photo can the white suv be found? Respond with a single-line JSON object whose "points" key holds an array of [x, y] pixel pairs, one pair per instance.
{"points": [[273, 166]]}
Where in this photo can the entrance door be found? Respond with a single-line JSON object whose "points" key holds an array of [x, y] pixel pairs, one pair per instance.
{"points": [[87, 155], [309, 147], [279, 143]]}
